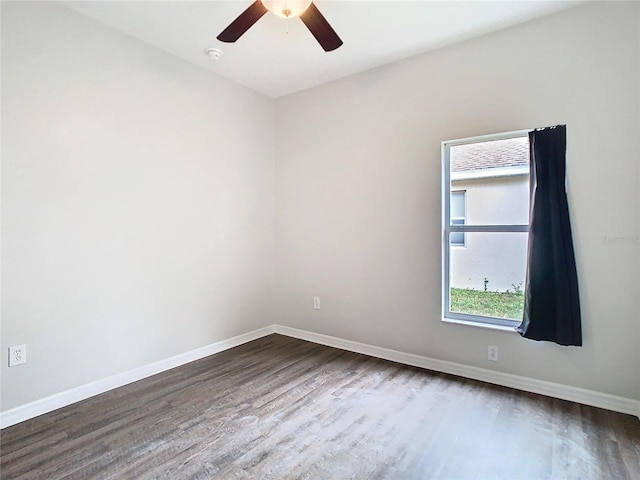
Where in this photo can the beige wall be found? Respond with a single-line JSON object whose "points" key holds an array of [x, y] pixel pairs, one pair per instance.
{"points": [[358, 191], [498, 257], [137, 203]]}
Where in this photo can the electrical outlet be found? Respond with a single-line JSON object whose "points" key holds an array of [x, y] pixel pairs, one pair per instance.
{"points": [[316, 303], [17, 355], [493, 353]]}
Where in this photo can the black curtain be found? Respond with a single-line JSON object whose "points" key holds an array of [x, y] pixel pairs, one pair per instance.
{"points": [[551, 304]]}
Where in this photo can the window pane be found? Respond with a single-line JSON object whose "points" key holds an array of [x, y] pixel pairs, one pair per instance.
{"points": [[457, 238], [457, 205], [487, 277], [495, 178]]}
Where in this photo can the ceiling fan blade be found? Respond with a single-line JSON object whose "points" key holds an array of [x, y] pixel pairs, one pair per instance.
{"points": [[320, 28], [244, 21]]}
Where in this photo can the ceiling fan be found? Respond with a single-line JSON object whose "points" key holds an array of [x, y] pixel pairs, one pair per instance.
{"points": [[306, 10]]}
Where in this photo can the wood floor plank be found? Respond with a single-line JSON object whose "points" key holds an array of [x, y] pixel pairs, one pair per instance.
{"points": [[280, 408]]}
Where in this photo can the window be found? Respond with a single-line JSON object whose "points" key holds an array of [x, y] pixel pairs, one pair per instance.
{"points": [[486, 211], [458, 209]]}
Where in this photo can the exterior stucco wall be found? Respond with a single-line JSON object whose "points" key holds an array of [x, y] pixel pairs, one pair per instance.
{"points": [[498, 257]]}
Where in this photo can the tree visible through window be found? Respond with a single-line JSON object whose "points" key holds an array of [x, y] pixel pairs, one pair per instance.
{"points": [[486, 210]]}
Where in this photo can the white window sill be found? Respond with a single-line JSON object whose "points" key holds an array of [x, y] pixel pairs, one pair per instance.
{"points": [[488, 326]]}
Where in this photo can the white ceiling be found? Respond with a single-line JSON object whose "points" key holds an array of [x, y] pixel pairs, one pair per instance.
{"points": [[280, 56]]}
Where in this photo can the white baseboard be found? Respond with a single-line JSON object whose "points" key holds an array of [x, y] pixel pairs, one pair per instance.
{"points": [[556, 390], [564, 392], [62, 399]]}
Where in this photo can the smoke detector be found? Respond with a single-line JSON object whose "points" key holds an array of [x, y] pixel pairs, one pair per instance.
{"points": [[214, 53]]}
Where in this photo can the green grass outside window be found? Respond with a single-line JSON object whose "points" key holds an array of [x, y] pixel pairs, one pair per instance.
{"points": [[488, 304]]}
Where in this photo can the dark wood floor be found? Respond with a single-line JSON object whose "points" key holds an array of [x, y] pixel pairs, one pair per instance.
{"points": [[280, 408]]}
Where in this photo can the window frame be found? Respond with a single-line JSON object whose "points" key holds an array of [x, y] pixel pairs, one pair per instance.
{"points": [[448, 228]]}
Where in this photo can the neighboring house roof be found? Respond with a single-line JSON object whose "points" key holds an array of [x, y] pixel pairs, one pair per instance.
{"points": [[512, 152]]}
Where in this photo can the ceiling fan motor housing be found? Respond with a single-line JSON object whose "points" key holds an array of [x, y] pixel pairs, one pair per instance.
{"points": [[286, 8]]}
